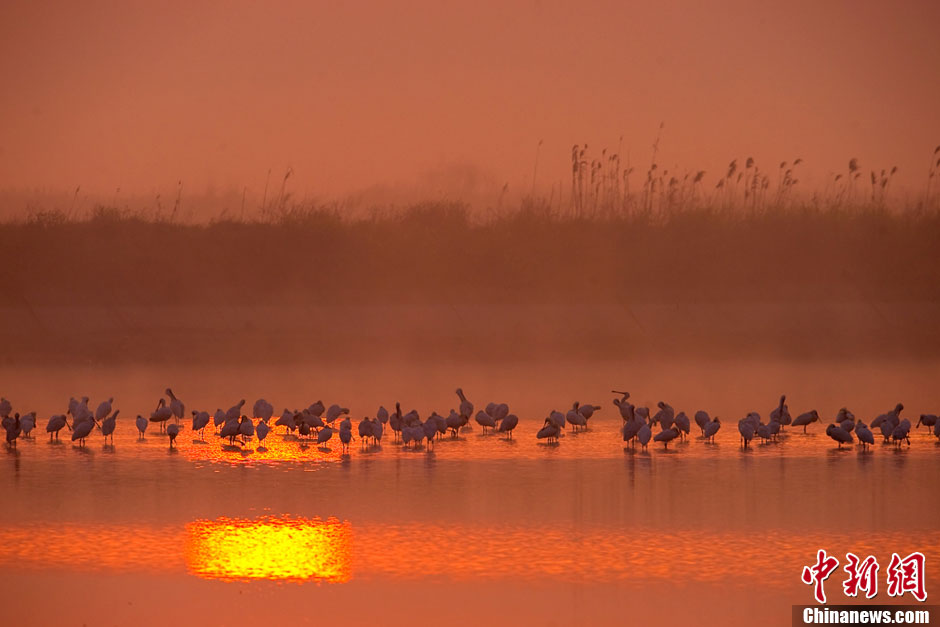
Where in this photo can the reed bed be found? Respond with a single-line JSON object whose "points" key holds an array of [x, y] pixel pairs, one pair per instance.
{"points": [[445, 251]]}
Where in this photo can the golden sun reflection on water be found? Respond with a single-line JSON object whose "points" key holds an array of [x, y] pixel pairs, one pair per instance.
{"points": [[275, 548], [295, 549], [275, 448]]}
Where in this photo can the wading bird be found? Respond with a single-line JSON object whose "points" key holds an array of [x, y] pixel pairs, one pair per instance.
{"points": [[508, 424], [176, 406], [82, 429], [28, 422], [711, 429], [13, 431], [263, 410], [104, 409], [666, 436], [173, 431], [161, 414], [141, 426], [840, 435], [865, 436], [485, 420], [55, 425], [549, 431], [200, 422], [261, 430], [108, 425], [805, 419]]}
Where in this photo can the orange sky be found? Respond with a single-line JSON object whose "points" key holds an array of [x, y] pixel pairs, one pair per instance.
{"points": [[138, 95]]}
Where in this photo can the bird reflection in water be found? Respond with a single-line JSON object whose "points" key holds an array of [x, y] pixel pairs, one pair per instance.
{"points": [[276, 548]]}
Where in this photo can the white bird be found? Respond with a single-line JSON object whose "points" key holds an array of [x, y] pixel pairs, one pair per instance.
{"points": [[576, 420], [665, 416], [753, 418], [141, 425], [683, 424], [287, 420], [245, 428], [262, 430], [312, 421], [928, 420], [334, 412], [161, 414], [382, 415], [235, 411], [557, 418], [844, 415], [902, 432], [839, 434], [28, 422], [173, 431], [644, 435], [5, 407], [500, 411], [55, 425], [666, 436], [485, 420], [219, 418], [508, 424], [200, 422], [13, 431], [702, 420], [345, 435], [263, 410], [454, 421], [82, 429], [780, 412], [631, 428], [104, 409], [108, 425], [80, 412], [625, 408], [549, 431], [586, 410], [805, 419], [746, 429], [429, 430], [466, 407], [407, 434], [865, 436], [324, 434], [365, 428], [230, 430], [887, 428], [176, 406], [764, 432], [711, 429], [893, 416]]}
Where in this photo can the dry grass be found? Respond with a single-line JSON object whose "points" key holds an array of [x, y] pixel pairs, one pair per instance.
{"points": [[443, 251], [753, 235]]}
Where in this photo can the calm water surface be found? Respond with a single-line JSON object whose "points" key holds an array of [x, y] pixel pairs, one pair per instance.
{"points": [[481, 528]]}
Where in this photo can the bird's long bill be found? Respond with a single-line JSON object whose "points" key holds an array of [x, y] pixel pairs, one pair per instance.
{"points": [[67, 424]]}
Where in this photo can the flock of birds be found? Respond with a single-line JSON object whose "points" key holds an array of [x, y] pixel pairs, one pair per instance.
{"points": [[320, 423]]}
